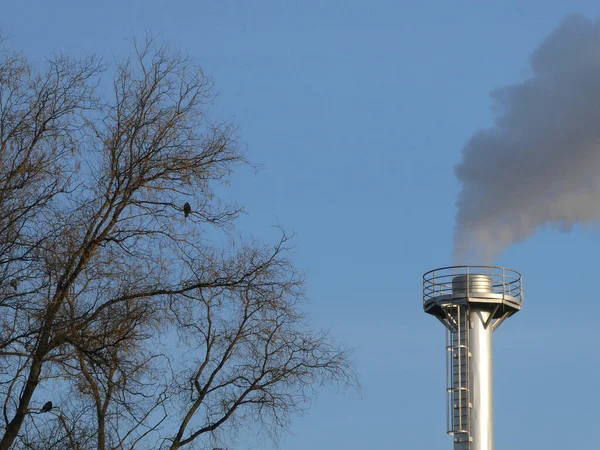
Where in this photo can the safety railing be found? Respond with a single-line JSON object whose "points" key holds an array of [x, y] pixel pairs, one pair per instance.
{"points": [[439, 282]]}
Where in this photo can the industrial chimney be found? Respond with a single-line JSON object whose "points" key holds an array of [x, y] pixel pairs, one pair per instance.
{"points": [[471, 302]]}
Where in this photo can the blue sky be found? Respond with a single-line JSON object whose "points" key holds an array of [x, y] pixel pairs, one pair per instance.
{"points": [[357, 113]]}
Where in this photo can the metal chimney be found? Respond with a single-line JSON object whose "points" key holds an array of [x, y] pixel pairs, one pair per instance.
{"points": [[471, 302]]}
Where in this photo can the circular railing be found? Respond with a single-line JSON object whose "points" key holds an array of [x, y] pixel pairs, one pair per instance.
{"points": [[495, 280]]}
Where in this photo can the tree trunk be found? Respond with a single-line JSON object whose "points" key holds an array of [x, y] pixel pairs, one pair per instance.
{"points": [[12, 430], [101, 433]]}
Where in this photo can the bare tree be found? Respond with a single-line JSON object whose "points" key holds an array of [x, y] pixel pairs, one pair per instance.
{"points": [[106, 209]]}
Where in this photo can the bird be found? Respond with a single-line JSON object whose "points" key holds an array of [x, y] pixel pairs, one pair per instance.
{"points": [[14, 284], [187, 209], [47, 407]]}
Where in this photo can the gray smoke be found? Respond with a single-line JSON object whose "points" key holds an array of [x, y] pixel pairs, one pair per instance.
{"points": [[539, 166]]}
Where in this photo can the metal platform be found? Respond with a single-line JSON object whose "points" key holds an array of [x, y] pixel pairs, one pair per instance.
{"points": [[494, 288]]}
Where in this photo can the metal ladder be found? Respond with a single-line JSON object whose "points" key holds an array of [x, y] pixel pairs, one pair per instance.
{"points": [[458, 355]]}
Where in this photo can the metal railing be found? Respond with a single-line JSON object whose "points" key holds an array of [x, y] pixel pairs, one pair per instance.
{"points": [[457, 373], [504, 281]]}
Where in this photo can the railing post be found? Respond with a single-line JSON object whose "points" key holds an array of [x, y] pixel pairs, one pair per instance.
{"points": [[468, 282]]}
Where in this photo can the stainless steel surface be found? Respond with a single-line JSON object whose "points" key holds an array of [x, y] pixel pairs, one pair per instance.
{"points": [[471, 302], [481, 387], [475, 283]]}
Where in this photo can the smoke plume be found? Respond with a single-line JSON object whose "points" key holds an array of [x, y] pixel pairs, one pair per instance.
{"points": [[539, 165]]}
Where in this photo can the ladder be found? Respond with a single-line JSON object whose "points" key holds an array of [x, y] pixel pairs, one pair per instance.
{"points": [[458, 355]]}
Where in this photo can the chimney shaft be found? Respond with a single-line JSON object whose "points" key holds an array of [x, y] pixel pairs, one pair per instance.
{"points": [[471, 302]]}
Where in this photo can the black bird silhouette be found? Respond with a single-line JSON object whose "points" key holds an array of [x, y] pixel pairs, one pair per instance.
{"points": [[47, 407], [14, 284], [187, 209]]}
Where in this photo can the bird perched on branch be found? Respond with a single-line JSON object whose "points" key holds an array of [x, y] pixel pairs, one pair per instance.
{"points": [[47, 407], [187, 209]]}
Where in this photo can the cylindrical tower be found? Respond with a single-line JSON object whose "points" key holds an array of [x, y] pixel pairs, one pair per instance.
{"points": [[471, 302]]}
